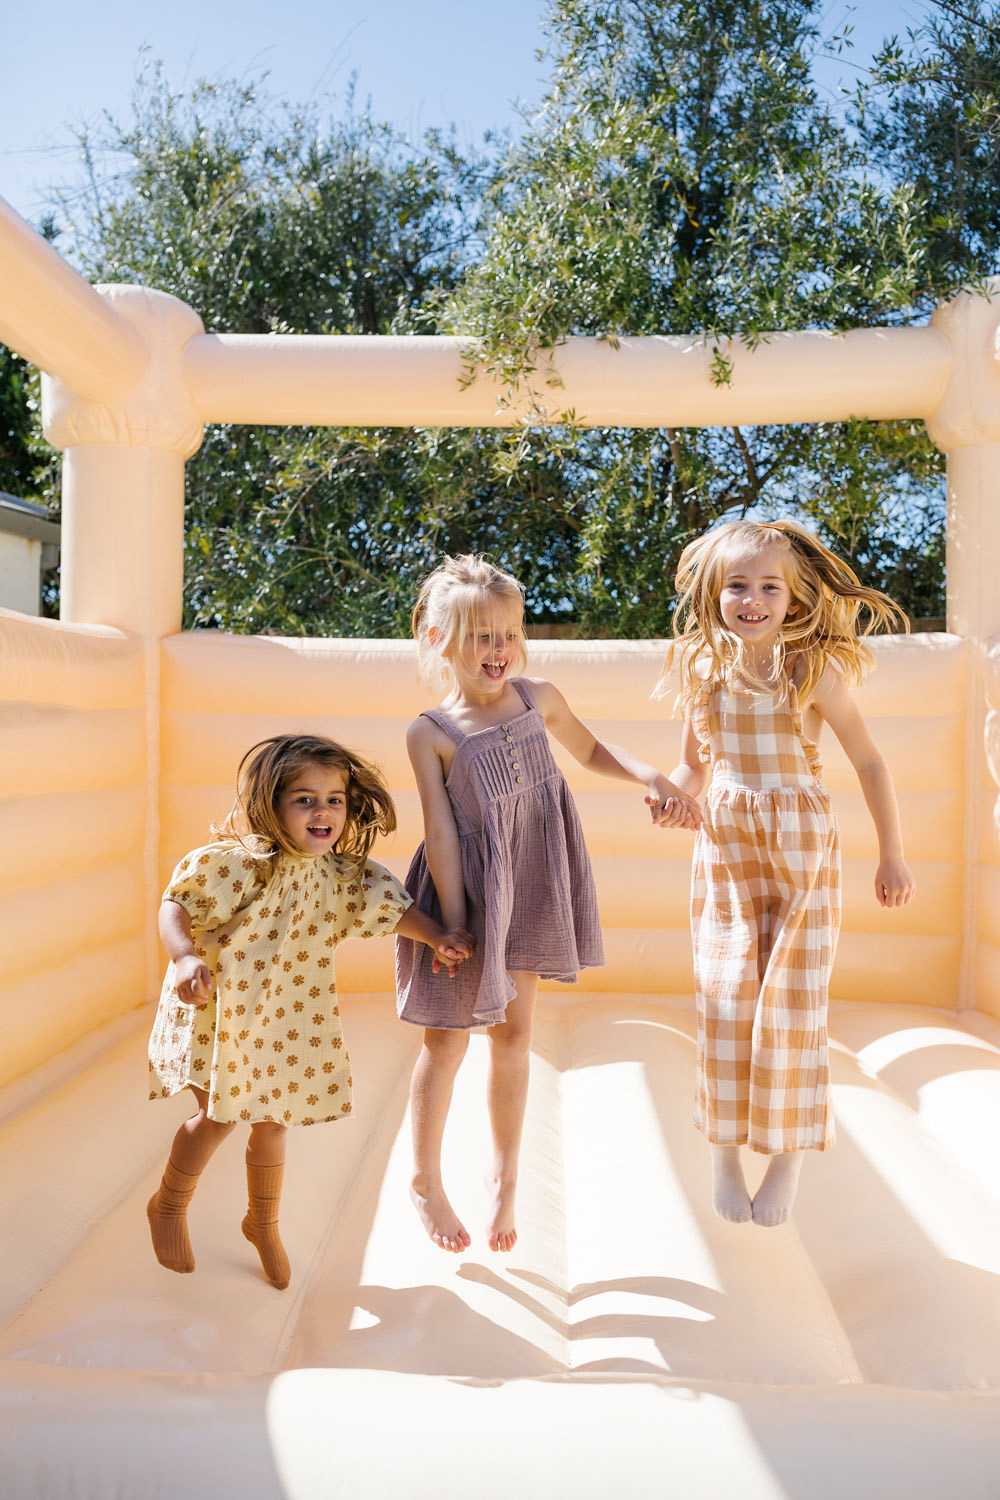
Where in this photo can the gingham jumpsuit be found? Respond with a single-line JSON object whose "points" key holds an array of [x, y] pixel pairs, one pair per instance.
{"points": [[765, 916]]}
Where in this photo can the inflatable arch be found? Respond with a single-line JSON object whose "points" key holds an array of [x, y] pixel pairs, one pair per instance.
{"points": [[632, 1341]]}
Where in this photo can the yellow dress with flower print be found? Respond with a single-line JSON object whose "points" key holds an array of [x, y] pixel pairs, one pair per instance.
{"points": [[268, 1046]]}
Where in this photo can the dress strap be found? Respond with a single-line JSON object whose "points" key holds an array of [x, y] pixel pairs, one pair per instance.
{"points": [[523, 691], [809, 749], [699, 720], [450, 729]]}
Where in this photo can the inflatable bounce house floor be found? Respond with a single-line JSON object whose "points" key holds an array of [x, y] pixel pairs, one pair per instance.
{"points": [[630, 1340]]}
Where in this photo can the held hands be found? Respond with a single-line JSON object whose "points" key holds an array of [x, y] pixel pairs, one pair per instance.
{"points": [[894, 885], [669, 807], [452, 948], [193, 983]]}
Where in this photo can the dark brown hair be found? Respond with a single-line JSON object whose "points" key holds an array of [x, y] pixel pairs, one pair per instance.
{"points": [[268, 768]]}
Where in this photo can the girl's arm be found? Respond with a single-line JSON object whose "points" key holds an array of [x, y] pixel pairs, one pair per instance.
{"points": [[450, 948], [669, 805], [441, 844], [894, 884], [193, 977], [690, 771]]}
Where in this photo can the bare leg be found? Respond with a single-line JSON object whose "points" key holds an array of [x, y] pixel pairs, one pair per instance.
{"points": [[507, 1095], [266, 1146], [430, 1099], [265, 1172], [730, 1198], [775, 1197], [193, 1147]]}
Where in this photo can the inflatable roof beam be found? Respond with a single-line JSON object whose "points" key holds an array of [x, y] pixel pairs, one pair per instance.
{"points": [[809, 376], [57, 321]]}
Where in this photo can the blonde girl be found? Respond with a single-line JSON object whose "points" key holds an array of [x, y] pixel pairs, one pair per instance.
{"points": [[769, 637], [248, 1018], [503, 861]]}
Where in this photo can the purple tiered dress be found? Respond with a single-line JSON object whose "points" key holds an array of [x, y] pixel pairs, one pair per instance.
{"points": [[528, 883]]}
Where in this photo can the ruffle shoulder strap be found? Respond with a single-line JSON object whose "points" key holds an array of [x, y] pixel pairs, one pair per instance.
{"points": [[699, 720]]}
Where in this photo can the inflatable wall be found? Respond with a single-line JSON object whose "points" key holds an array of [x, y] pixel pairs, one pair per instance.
{"points": [[222, 694], [73, 810]]}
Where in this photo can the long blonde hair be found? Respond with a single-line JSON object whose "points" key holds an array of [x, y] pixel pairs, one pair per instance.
{"points": [[834, 610], [254, 822], [451, 603]]}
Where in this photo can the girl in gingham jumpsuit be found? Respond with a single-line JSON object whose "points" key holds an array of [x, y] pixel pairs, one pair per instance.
{"points": [[768, 630]]}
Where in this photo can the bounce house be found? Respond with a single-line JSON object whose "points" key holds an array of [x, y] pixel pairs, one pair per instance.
{"points": [[633, 1342]]}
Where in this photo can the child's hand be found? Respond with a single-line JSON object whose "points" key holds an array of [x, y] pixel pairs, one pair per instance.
{"points": [[669, 807], [193, 980], [452, 949], [894, 885]]}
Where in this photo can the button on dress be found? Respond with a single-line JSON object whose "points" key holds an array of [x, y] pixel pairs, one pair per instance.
{"points": [[529, 887], [268, 1045]]}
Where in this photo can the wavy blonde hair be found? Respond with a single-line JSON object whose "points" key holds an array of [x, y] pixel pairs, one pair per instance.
{"points": [[254, 822], [834, 611], [451, 603]]}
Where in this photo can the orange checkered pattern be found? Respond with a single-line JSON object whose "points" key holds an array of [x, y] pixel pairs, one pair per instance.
{"points": [[765, 916]]}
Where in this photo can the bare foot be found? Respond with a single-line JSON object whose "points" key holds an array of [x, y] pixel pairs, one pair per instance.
{"points": [[775, 1197], [500, 1231], [440, 1219], [730, 1198]]}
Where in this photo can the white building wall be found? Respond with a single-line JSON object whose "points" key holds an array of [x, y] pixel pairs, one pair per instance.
{"points": [[20, 573]]}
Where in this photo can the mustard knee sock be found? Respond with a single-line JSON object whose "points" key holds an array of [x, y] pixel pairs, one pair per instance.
{"points": [[261, 1223], [167, 1215]]}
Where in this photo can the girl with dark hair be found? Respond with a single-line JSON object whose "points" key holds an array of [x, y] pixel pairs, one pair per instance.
{"points": [[248, 1018]]}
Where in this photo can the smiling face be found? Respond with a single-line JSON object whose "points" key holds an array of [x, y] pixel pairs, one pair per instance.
{"points": [[756, 599], [312, 808], [490, 652]]}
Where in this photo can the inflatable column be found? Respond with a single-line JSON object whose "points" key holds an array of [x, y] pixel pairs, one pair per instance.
{"points": [[123, 509], [966, 426]]}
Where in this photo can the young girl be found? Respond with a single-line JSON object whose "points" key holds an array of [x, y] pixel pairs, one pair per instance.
{"points": [[248, 1018], [503, 857], [769, 623]]}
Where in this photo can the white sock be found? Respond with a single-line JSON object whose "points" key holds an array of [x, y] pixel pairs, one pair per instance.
{"points": [[729, 1190], [775, 1197]]}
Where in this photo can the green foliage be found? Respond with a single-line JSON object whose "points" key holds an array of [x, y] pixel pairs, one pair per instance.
{"points": [[265, 220], [28, 468], [683, 177], [17, 457], [930, 113]]}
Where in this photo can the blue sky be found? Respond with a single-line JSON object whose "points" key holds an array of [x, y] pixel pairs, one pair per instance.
{"points": [[422, 63]]}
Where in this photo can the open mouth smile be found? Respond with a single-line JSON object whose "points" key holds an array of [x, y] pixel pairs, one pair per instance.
{"points": [[319, 831], [494, 669]]}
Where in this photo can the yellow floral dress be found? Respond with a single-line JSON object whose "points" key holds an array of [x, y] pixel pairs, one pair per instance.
{"points": [[268, 1046]]}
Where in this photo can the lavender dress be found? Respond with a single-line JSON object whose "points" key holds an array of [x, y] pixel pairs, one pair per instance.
{"points": [[528, 883]]}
